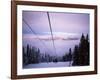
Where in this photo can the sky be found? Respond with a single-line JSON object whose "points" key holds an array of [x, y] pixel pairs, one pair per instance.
{"points": [[60, 22], [67, 29]]}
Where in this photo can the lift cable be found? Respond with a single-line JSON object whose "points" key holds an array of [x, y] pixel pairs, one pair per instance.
{"points": [[51, 32], [35, 34]]}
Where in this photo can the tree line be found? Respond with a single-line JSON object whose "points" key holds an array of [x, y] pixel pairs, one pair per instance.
{"points": [[32, 55], [79, 56]]}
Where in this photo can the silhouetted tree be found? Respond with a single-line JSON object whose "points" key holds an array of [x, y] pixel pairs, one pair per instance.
{"points": [[70, 55], [81, 58], [87, 49], [24, 57], [76, 56]]}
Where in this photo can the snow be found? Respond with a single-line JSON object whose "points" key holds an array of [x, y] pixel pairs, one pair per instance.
{"points": [[49, 64]]}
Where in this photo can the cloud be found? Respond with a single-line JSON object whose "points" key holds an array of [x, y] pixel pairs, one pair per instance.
{"points": [[56, 36]]}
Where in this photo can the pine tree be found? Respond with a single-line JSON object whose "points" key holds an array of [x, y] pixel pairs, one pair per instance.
{"points": [[70, 55], [24, 57], [82, 50], [87, 49], [76, 56], [81, 54]]}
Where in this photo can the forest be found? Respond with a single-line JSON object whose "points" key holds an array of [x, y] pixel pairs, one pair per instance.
{"points": [[79, 55]]}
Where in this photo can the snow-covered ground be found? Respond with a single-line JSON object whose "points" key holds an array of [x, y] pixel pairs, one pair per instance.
{"points": [[50, 64]]}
